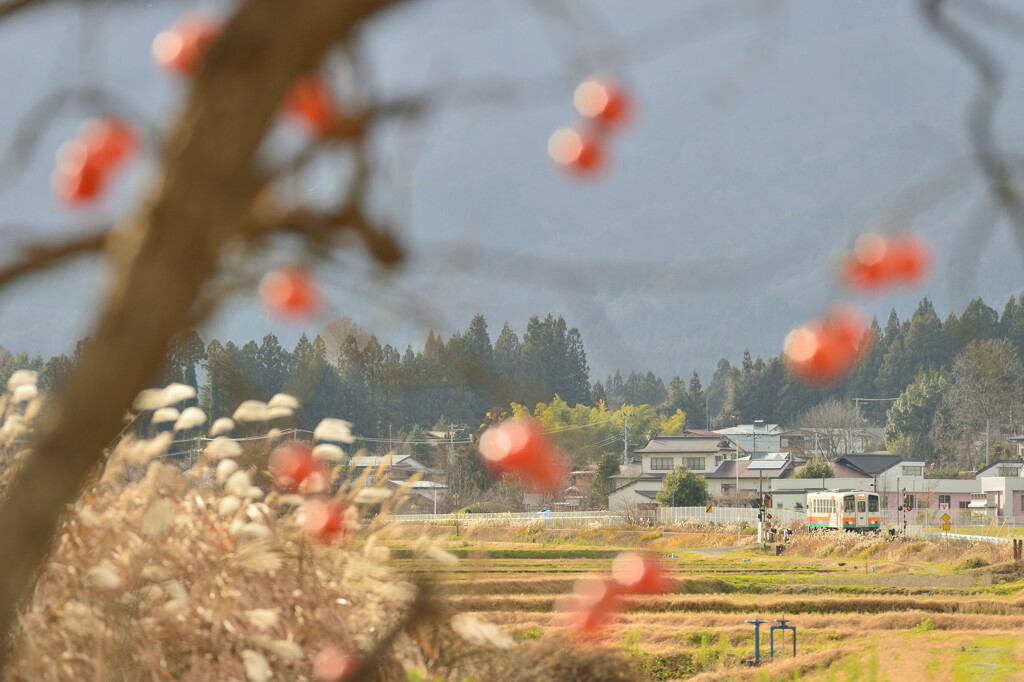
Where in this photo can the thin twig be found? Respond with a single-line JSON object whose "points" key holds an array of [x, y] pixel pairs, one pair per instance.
{"points": [[39, 256], [12, 6], [981, 109]]}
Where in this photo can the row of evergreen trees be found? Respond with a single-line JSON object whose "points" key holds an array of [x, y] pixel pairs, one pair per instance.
{"points": [[759, 389], [385, 392]]}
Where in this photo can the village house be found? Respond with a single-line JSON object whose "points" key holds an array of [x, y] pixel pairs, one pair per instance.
{"points": [[758, 437], [641, 481], [754, 476]]}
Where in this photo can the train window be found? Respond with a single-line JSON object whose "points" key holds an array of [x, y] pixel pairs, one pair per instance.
{"points": [[848, 503], [861, 506], [873, 503]]}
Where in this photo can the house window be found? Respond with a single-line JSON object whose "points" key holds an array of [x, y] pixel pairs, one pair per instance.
{"points": [[964, 503], [912, 471], [912, 502], [1007, 471], [661, 463], [693, 463], [944, 499], [727, 488]]}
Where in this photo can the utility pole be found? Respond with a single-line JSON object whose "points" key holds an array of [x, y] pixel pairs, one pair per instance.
{"points": [[858, 401], [625, 438], [986, 442], [451, 443], [736, 466]]}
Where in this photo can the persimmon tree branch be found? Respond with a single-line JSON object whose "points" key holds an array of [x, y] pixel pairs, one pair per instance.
{"points": [[164, 254], [12, 6], [981, 109], [39, 256]]}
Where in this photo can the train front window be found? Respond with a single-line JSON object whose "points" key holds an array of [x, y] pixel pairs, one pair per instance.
{"points": [[848, 503], [861, 506], [873, 503]]}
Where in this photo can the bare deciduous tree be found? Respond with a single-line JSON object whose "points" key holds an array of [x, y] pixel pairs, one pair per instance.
{"points": [[988, 388], [833, 428]]}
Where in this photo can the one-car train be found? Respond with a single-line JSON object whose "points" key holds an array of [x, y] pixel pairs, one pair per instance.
{"points": [[852, 510]]}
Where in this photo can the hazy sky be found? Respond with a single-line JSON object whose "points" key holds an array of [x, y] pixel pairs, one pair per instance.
{"points": [[761, 146]]}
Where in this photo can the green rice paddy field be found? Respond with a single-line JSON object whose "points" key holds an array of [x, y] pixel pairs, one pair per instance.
{"points": [[865, 608]]}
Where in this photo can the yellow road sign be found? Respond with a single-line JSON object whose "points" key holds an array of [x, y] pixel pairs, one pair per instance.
{"points": [[945, 526], [708, 509], [945, 519]]}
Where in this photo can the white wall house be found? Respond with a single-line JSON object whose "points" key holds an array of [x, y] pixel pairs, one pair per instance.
{"points": [[699, 454], [640, 482]]}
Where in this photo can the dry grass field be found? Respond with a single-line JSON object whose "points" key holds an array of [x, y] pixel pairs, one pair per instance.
{"points": [[865, 608], [212, 575]]}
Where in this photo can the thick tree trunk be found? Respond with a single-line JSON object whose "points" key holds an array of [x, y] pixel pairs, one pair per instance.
{"points": [[164, 256]]}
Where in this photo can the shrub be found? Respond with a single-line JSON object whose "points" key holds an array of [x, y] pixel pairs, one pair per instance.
{"points": [[703, 638], [926, 625], [650, 535], [971, 562]]}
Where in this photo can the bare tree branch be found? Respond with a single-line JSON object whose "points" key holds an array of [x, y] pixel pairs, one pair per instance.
{"points": [[39, 256], [981, 111], [11, 6]]}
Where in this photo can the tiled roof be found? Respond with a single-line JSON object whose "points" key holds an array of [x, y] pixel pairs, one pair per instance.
{"points": [[871, 465], [1003, 462], [843, 471], [727, 469], [670, 444]]}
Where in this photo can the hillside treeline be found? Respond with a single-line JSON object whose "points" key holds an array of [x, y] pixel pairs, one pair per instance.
{"points": [[386, 391], [902, 349]]}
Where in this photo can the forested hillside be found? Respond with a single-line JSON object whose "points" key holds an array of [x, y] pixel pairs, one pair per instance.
{"points": [[386, 391]]}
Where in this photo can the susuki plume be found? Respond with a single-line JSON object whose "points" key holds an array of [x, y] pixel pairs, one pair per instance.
{"points": [[165, 414], [190, 418], [155, 398], [334, 430], [221, 447], [222, 426], [251, 411], [284, 400]]}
